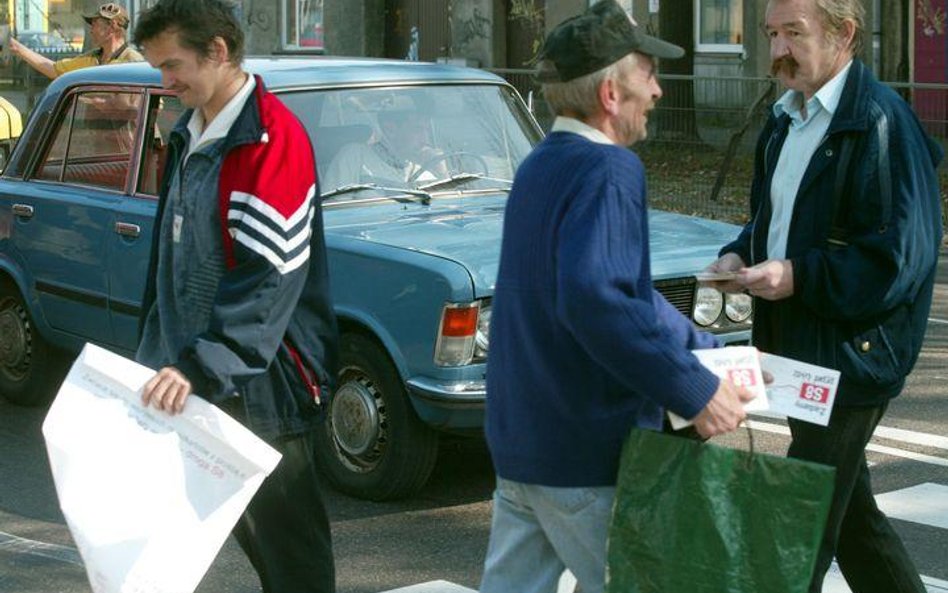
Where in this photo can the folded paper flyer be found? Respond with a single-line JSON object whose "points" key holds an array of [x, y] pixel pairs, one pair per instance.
{"points": [[739, 365], [148, 497]]}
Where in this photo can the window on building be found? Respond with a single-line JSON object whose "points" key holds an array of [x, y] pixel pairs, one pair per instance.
{"points": [[719, 25], [303, 25]]}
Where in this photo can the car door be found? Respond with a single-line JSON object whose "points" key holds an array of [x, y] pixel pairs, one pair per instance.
{"points": [[64, 213], [130, 247]]}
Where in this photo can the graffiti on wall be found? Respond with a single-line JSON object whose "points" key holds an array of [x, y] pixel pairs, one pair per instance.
{"points": [[932, 18], [259, 18], [475, 27]]}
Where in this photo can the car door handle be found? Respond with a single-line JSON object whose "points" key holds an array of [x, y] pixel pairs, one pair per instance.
{"points": [[127, 229], [23, 210]]}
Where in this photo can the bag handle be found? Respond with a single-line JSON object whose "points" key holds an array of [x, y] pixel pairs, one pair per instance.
{"points": [[750, 440]]}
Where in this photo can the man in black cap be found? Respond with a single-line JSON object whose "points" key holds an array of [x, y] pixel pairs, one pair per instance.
{"points": [[107, 28], [582, 346]]}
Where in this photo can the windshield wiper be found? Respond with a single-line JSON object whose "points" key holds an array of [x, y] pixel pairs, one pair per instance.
{"points": [[459, 177], [425, 197]]}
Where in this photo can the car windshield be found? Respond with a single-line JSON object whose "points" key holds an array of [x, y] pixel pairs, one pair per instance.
{"points": [[438, 138]]}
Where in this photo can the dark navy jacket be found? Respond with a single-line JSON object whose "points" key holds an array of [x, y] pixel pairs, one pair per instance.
{"points": [[861, 294], [583, 348]]}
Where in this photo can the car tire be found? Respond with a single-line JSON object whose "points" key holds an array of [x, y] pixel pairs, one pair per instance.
{"points": [[30, 368], [372, 444]]}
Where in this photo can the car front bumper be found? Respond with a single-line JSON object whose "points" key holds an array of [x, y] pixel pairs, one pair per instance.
{"points": [[449, 405]]}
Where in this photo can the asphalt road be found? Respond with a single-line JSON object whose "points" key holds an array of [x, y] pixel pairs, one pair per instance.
{"points": [[441, 534]]}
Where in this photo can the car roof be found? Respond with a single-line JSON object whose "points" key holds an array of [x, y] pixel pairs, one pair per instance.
{"points": [[298, 72]]}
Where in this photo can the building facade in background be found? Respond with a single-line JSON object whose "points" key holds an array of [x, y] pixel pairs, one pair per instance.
{"points": [[906, 38]]}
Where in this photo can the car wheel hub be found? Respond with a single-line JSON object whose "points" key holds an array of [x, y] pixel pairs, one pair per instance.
{"points": [[15, 347], [355, 417]]}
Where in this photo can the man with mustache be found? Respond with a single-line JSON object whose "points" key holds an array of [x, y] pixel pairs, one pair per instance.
{"points": [[237, 306], [583, 348], [840, 254]]}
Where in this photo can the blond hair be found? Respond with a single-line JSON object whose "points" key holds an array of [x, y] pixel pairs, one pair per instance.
{"points": [[835, 12]]}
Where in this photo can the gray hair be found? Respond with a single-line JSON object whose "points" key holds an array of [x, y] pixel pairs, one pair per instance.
{"points": [[580, 95], [834, 13]]}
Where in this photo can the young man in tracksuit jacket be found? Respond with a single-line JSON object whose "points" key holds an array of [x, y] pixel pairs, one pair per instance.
{"points": [[840, 255], [237, 307]]}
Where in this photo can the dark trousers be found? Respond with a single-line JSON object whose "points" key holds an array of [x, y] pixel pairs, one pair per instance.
{"points": [[285, 529], [869, 552]]}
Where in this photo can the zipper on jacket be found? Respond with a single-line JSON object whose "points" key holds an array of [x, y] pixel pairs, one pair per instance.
{"points": [[760, 206], [306, 374]]}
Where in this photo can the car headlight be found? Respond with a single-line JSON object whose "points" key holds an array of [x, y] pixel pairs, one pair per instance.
{"points": [[708, 305], [738, 306]]}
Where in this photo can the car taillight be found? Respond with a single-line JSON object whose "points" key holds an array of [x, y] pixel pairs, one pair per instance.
{"points": [[457, 334]]}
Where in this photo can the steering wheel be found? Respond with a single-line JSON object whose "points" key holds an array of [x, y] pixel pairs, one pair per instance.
{"points": [[458, 156]]}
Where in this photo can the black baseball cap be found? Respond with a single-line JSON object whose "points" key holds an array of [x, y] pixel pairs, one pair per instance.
{"points": [[601, 36]]}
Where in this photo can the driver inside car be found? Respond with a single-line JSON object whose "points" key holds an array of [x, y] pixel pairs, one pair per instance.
{"points": [[399, 154]]}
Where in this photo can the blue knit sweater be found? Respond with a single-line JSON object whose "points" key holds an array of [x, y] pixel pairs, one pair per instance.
{"points": [[582, 346]]}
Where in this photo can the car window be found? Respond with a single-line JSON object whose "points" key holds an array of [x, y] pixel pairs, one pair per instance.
{"points": [[414, 136], [94, 141], [163, 113]]}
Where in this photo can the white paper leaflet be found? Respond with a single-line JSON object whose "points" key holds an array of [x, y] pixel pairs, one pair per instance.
{"points": [[739, 365], [149, 497], [800, 390]]}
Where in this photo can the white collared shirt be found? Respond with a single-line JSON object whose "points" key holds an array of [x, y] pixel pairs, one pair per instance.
{"points": [[803, 138], [574, 126], [221, 124]]}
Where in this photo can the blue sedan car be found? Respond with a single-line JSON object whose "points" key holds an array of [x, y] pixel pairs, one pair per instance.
{"points": [[415, 163]]}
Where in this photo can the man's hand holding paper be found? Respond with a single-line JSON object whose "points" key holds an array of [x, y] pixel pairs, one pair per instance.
{"points": [[167, 391], [143, 490]]}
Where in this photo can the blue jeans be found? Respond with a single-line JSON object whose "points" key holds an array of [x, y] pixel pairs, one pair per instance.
{"points": [[537, 531]]}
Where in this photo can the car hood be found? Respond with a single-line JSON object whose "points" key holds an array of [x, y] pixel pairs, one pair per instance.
{"points": [[682, 245], [468, 231], [465, 230]]}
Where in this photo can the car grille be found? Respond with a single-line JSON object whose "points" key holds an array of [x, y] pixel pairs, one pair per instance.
{"points": [[680, 292]]}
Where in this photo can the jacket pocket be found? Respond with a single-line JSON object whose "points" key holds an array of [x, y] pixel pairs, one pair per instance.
{"points": [[878, 352]]}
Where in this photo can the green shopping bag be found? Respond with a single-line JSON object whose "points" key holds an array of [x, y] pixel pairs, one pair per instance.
{"points": [[692, 517]]}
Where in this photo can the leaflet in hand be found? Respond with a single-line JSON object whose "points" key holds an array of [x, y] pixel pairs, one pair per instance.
{"points": [[148, 497], [738, 364], [800, 390], [715, 276]]}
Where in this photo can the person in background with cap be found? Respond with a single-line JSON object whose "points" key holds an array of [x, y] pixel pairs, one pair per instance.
{"points": [[107, 27], [582, 346]]}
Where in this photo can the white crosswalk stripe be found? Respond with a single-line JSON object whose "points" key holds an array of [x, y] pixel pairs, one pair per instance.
{"points": [[925, 503], [433, 587], [835, 583]]}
